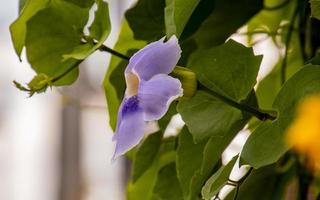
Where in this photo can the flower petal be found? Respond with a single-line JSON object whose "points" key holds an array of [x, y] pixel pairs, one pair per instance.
{"points": [[156, 95], [130, 128], [156, 58]]}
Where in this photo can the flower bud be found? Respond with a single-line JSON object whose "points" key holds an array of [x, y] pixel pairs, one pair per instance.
{"points": [[188, 80]]}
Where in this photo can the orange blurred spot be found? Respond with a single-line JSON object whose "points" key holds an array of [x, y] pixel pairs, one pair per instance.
{"points": [[304, 132]]}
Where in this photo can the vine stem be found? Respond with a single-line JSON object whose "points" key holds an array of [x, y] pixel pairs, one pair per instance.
{"points": [[305, 178], [287, 45], [101, 48], [263, 116], [55, 79], [113, 52], [236, 192]]}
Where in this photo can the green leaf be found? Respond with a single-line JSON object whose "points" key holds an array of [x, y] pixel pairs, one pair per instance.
{"points": [[99, 32], [230, 69], [216, 182], [188, 152], [145, 184], [199, 15], [55, 39], [266, 144], [18, 28], [125, 42], [188, 47], [204, 157], [315, 8], [117, 78], [145, 155], [206, 116], [82, 3], [183, 18], [167, 186], [60, 43], [205, 154], [225, 20], [22, 3], [100, 27], [146, 19], [315, 60], [266, 183], [177, 14]]}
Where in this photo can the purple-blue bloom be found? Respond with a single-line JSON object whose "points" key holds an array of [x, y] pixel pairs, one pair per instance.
{"points": [[149, 91]]}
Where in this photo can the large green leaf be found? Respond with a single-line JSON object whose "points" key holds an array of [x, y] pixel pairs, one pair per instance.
{"points": [[266, 144], [18, 28], [230, 69], [55, 39], [145, 155], [60, 43], [177, 14], [206, 116], [199, 15], [188, 152], [188, 47], [216, 182], [167, 186], [226, 18], [315, 8], [266, 183], [125, 42], [144, 186], [204, 155], [146, 19]]}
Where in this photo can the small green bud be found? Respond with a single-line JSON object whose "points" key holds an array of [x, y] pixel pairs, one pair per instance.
{"points": [[37, 85], [188, 80]]}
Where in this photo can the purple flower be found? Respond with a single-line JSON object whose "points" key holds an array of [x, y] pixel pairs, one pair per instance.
{"points": [[149, 91]]}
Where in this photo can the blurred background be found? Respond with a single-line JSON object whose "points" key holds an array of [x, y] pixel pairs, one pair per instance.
{"points": [[57, 145]]}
